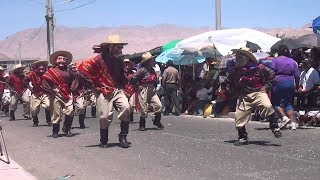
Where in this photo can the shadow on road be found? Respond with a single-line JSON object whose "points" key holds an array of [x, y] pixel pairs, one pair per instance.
{"points": [[63, 135], [109, 145], [260, 143]]}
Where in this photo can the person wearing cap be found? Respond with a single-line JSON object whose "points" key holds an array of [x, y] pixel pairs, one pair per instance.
{"points": [[130, 90], [251, 80], [171, 83], [59, 81], [38, 95], [146, 79], [106, 72], [18, 89]]}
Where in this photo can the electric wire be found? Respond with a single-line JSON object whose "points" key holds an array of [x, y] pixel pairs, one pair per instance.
{"points": [[76, 7], [35, 35]]}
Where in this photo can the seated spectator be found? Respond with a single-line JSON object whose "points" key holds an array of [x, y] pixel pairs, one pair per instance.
{"points": [[309, 78], [204, 96]]}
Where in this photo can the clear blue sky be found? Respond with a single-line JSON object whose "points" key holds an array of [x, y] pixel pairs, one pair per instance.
{"points": [[17, 15]]}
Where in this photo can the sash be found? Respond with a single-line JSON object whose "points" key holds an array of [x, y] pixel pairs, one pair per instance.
{"points": [[98, 72], [54, 76], [36, 83], [18, 84]]}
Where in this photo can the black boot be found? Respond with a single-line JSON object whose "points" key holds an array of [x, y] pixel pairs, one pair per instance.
{"points": [[123, 134], [35, 121], [12, 118], [243, 137], [55, 130], [81, 121], [274, 126], [67, 126], [93, 111], [5, 109], [142, 124], [103, 138], [131, 117], [48, 117], [157, 122]]}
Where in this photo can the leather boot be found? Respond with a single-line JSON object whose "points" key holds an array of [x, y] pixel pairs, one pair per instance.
{"points": [[55, 130], [93, 111], [35, 121], [123, 134], [67, 126], [274, 126], [12, 118], [131, 117], [48, 117], [157, 120], [103, 138], [81, 121], [142, 124], [243, 137]]}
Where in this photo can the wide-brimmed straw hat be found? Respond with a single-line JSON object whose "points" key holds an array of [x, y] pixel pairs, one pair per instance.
{"points": [[128, 61], [18, 66], [36, 63], [114, 39], [54, 56], [147, 56], [246, 52]]}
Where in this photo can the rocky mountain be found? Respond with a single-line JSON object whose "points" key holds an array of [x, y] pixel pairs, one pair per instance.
{"points": [[79, 41]]}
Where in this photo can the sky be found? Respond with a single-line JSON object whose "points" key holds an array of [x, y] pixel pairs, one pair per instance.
{"points": [[18, 15]]}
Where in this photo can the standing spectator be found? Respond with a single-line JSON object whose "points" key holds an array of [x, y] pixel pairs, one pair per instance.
{"points": [[170, 83], [286, 81]]}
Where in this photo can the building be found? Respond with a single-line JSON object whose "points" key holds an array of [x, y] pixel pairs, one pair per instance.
{"points": [[8, 62]]}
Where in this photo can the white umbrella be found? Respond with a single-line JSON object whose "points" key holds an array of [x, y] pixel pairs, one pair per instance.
{"points": [[226, 40]]}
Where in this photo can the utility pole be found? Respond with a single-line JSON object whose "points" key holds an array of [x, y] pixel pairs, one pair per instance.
{"points": [[50, 27], [218, 14], [19, 52]]}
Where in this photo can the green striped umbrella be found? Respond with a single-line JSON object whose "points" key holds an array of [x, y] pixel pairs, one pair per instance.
{"points": [[170, 45]]}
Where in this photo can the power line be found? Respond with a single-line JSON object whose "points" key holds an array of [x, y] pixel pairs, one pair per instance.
{"points": [[37, 2], [76, 7], [36, 34]]}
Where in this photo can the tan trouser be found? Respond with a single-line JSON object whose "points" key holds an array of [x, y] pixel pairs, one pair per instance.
{"points": [[36, 101], [105, 105], [148, 96], [24, 98], [81, 104], [132, 102], [248, 102], [58, 106]]}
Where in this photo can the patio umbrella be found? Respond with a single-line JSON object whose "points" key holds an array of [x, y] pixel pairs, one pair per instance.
{"points": [[226, 40], [179, 57], [170, 45], [290, 43], [316, 25], [310, 39]]}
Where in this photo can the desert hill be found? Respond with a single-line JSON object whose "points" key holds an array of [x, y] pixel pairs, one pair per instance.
{"points": [[80, 40]]}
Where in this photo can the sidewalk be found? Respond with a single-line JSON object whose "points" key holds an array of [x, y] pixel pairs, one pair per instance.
{"points": [[13, 171]]}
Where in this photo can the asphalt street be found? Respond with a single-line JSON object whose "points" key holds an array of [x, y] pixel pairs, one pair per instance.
{"points": [[188, 148]]}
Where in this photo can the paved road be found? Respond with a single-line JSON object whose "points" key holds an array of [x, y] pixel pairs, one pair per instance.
{"points": [[188, 148]]}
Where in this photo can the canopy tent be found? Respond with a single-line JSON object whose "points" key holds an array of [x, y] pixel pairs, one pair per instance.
{"points": [[226, 40], [316, 25]]}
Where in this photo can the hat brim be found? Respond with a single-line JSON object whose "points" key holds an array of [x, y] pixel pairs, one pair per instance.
{"points": [[108, 44], [35, 64], [54, 56], [145, 60], [131, 63], [22, 67], [247, 53]]}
